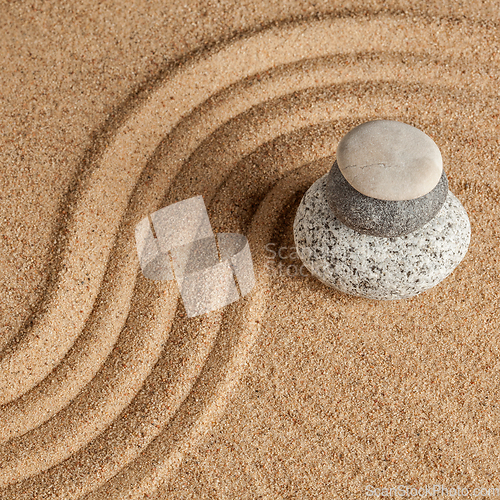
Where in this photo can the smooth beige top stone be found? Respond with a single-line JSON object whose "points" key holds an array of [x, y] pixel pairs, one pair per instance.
{"points": [[389, 160]]}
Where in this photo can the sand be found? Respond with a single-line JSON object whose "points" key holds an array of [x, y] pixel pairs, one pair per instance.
{"points": [[107, 389]]}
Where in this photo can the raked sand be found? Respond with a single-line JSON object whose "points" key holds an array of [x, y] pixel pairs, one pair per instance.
{"points": [[107, 389]]}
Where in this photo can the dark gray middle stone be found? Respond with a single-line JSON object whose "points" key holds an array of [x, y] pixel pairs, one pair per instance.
{"points": [[385, 218]]}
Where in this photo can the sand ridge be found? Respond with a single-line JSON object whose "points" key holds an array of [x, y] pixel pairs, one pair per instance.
{"points": [[111, 388]]}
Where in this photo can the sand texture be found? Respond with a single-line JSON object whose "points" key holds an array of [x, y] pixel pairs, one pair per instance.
{"points": [[112, 111]]}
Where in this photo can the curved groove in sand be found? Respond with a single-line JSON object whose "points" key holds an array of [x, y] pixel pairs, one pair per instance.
{"points": [[87, 425], [183, 433], [108, 316], [186, 412], [119, 454], [105, 196], [114, 386], [107, 193]]}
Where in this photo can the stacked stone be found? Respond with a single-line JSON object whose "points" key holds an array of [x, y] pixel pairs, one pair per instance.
{"points": [[382, 224]]}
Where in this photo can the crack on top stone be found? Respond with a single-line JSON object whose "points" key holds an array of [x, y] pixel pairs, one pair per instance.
{"points": [[371, 165], [361, 167]]}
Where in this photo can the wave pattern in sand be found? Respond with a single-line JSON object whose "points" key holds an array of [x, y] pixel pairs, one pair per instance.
{"points": [[111, 384]]}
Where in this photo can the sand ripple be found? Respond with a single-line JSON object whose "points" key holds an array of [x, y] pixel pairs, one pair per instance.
{"points": [[111, 385]]}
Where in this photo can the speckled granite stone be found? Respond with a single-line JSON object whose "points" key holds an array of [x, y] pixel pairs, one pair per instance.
{"points": [[389, 160], [385, 218], [374, 267]]}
